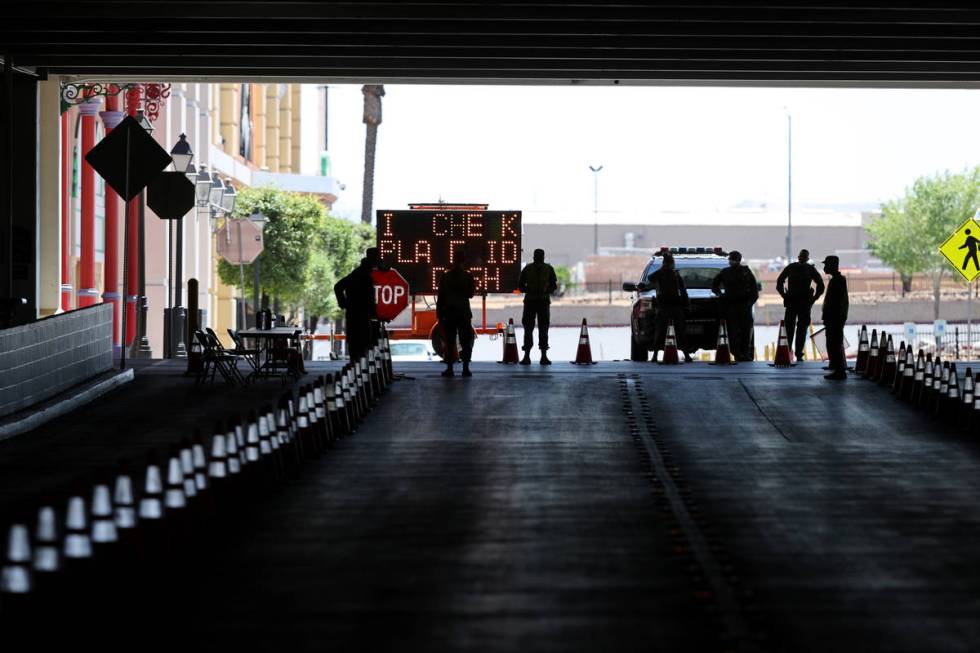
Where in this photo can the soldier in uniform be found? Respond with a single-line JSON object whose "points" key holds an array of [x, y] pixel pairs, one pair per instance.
{"points": [[672, 301], [537, 282], [795, 285], [834, 316], [740, 292], [355, 294], [456, 288]]}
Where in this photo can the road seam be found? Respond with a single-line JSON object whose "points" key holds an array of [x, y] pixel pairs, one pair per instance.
{"points": [[736, 630]]}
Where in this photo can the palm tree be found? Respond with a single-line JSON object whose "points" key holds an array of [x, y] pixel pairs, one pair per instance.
{"points": [[372, 118]]}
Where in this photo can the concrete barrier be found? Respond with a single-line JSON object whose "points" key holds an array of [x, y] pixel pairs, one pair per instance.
{"points": [[46, 357]]}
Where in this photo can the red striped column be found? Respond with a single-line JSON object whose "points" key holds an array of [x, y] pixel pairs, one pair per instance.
{"points": [[133, 98], [66, 288], [111, 117], [87, 293]]}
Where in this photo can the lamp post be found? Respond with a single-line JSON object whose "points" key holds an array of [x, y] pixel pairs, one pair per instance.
{"points": [[595, 208], [789, 187], [182, 156], [258, 218], [141, 345]]}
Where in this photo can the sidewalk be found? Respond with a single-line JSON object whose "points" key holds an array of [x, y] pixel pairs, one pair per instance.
{"points": [[154, 410]]}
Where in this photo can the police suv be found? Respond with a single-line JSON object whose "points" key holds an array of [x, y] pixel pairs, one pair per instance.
{"points": [[698, 267]]}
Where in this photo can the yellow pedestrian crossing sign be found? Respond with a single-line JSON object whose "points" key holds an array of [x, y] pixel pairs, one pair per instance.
{"points": [[962, 249]]}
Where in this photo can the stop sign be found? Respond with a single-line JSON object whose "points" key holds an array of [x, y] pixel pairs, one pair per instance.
{"points": [[390, 293]]}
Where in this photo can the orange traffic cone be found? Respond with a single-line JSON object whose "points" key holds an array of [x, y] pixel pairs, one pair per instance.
{"points": [[723, 353], [510, 344], [861, 364], [583, 356], [782, 358], [670, 346], [872, 367]]}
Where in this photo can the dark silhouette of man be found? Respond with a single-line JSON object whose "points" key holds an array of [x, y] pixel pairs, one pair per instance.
{"points": [[537, 282], [456, 288], [834, 316], [672, 301], [741, 292], [355, 294], [970, 245], [795, 286]]}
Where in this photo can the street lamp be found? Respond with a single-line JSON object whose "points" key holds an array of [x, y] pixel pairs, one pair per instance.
{"points": [[215, 192], [182, 154], [229, 197], [202, 186], [595, 207]]}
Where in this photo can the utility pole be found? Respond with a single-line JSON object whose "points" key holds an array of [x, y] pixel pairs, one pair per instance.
{"points": [[789, 187], [372, 118], [595, 208]]}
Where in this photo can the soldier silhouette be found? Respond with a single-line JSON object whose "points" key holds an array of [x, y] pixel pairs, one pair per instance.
{"points": [[970, 245]]}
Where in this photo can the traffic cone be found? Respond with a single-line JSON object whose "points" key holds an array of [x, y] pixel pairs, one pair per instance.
{"points": [[48, 563], [311, 414], [886, 370], [966, 406], [388, 361], [940, 386], [882, 355], [16, 576], [104, 531], [323, 426], [583, 355], [909, 395], [922, 392], [861, 364], [252, 444], [333, 410], [973, 425], [906, 384], [18, 598], [873, 351], [269, 446], [78, 542], [896, 384], [186, 457], [511, 357], [373, 373], [231, 453], [125, 515], [290, 453], [723, 353], [949, 410], [783, 357]]}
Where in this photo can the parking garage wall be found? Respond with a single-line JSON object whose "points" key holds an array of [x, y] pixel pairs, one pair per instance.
{"points": [[46, 357]]}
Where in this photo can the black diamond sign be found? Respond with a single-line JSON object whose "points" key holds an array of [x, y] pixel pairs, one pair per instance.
{"points": [[145, 161], [170, 195]]}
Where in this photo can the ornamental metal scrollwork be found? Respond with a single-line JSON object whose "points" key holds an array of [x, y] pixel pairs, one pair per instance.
{"points": [[153, 96]]}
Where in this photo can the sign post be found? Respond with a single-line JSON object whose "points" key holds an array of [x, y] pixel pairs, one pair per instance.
{"points": [[962, 251]]}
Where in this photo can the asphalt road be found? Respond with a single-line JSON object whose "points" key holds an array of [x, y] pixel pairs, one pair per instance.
{"points": [[616, 507]]}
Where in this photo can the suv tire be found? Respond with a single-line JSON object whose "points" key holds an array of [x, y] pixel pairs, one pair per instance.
{"points": [[638, 353]]}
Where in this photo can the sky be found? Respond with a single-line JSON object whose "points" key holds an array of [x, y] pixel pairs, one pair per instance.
{"points": [[661, 148]]}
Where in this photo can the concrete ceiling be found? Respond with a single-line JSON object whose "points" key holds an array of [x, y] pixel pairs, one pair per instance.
{"points": [[833, 43]]}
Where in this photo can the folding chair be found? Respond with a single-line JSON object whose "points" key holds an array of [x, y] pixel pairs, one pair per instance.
{"points": [[250, 355], [218, 360]]}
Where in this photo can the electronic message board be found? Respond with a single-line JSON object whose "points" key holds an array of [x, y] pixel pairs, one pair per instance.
{"points": [[420, 245]]}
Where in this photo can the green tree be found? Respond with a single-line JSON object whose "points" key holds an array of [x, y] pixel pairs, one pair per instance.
{"points": [[908, 233], [306, 250], [292, 221]]}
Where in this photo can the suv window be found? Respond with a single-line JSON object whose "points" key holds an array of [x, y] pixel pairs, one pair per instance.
{"points": [[694, 277]]}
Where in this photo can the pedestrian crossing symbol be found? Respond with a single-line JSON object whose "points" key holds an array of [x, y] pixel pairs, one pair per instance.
{"points": [[962, 249]]}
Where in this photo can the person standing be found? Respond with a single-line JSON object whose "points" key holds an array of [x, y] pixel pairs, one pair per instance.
{"points": [[795, 285], [672, 301], [537, 282], [456, 288], [355, 294], [741, 292], [834, 316]]}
